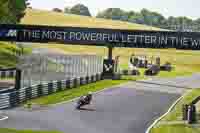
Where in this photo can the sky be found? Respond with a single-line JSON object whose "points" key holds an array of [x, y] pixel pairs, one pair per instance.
{"points": [[189, 8]]}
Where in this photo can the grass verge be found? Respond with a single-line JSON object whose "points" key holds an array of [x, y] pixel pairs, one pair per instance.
{"points": [[7, 79], [176, 128], [5, 130], [76, 92], [9, 53], [42, 17], [173, 73], [175, 115]]}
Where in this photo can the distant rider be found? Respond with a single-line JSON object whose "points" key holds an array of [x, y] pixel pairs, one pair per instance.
{"points": [[88, 98]]}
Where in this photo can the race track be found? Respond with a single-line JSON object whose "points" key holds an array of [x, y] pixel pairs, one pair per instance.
{"points": [[129, 108]]}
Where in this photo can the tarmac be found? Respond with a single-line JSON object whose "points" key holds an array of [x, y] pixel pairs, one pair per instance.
{"points": [[128, 108]]}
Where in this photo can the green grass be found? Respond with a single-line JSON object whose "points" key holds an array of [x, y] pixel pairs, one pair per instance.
{"points": [[8, 54], [175, 115], [76, 92], [133, 78], [41, 17], [6, 78], [177, 128], [174, 73], [4, 130]]}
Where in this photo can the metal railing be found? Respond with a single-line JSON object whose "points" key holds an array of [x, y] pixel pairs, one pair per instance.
{"points": [[16, 97]]}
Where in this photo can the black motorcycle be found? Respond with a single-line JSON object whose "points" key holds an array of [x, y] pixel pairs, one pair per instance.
{"points": [[83, 100]]}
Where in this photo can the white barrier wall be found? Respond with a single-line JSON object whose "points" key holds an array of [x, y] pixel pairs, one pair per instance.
{"points": [[38, 69]]}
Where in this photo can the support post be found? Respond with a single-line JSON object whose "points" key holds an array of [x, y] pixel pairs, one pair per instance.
{"points": [[110, 52], [18, 79], [108, 65]]}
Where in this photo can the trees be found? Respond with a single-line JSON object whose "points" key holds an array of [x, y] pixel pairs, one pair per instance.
{"points": [[135, 17], [20, 8], [180, 23], [4, 11], [113, 13], [11, 11], [196, 24], [67, 10], [57, 10], [80, 9], [144, 17], [151, 18]]}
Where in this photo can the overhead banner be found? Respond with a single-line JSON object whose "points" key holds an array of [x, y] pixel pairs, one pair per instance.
{"points": [[100, 37]]}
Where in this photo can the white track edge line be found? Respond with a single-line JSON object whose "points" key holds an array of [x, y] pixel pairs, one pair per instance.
{"points": [[169, 110], [4, 118]]}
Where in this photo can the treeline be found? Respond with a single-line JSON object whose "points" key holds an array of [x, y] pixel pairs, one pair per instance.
{"points": [[145, 16], [11, 11], [148, 17], [78, 9]]}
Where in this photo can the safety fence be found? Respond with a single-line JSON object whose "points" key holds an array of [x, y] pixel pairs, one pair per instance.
{"points": [[16, 97], [7, 73], [43, 68], [43, 74]]}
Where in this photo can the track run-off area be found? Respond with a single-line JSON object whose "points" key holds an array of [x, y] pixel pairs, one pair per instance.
{"points": [[127, 108]]}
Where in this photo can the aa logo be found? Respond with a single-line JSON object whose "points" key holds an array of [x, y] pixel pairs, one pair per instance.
{"points": [[108, 67], [12, 33]]}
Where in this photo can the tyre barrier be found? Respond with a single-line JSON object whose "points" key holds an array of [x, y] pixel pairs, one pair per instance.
{"points": [[17, 97], [129, 72], [152, 71], [189, 112], [8, 73], [166, 67]]}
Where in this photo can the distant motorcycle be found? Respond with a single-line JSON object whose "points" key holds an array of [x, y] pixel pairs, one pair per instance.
{"points": [[84, 100]]}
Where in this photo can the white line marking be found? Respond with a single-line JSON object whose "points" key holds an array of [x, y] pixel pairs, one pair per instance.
{"points": [[170, 109], [4, 118]]}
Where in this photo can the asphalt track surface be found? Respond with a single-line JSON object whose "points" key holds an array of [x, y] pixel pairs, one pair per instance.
{"points": [[128, 108]]}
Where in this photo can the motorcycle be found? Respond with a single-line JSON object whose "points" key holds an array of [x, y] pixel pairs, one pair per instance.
{"points": [[83, 100]]}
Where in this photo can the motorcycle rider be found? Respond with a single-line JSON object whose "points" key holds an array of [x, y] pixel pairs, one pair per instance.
{"points": [[88, 98]]}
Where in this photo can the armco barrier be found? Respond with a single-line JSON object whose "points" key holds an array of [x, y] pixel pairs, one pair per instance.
{"points": [[4, 101], [16, 97]]}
